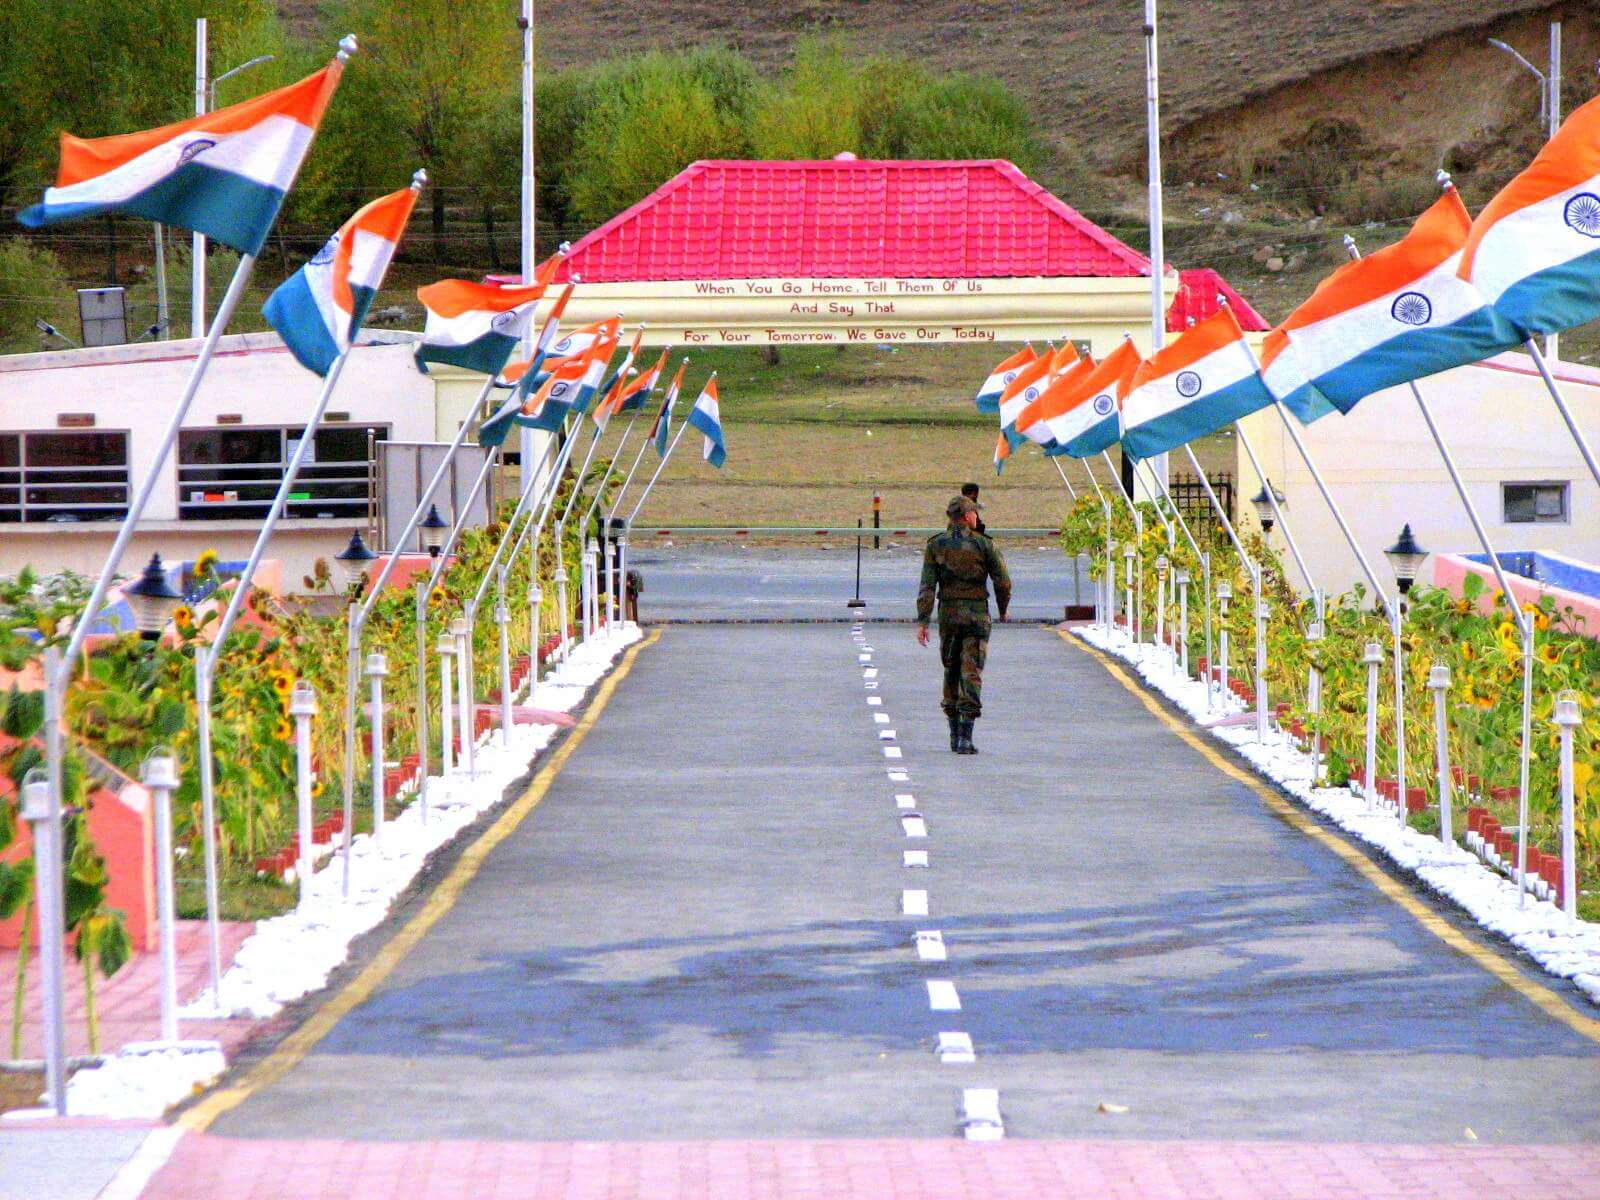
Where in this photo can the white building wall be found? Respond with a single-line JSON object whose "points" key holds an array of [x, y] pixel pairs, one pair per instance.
{"points": [[1384, 470], [134, 388]]}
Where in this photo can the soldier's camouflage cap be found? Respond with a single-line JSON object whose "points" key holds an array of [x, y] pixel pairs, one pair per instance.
{"points": [[960, 506]]}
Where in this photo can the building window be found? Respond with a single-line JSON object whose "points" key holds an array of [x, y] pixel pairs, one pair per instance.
{"points": [[232, 472], [63, 478], [1535, 503]]}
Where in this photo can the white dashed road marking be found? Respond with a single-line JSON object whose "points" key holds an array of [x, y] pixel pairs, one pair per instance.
{"points": [[942, 996], [914, 902], [914, 858], [915, 827], [930, 945], [955, 1047], [980, 1115]]}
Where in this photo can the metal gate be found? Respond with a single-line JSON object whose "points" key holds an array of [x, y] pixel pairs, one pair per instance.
{"points": [[1190, 496]]}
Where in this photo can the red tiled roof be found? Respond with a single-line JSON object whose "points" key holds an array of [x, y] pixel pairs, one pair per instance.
{"points": [[849, 218], [1199, 296]]}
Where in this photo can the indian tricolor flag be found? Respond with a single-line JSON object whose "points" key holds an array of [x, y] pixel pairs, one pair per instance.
{"points": [[474, 326], [1087, 422], [1027, 386], [555, 398], [223, 174], [1396, 315], [1534, 251], [318, 310], [1205, 380], [661, 430], [1033, 422], [706, 416], [637, 390], [1000, 378], [611, 401]]}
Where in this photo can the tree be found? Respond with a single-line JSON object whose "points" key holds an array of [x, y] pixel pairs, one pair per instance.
{"points": [[433, 73], [33, 287], [651, 117]]}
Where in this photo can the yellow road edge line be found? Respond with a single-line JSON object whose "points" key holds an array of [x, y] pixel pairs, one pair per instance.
{"points": [[1494, 963], [320, 1023]]}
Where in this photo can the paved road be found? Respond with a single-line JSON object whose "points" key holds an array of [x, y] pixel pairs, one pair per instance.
{"points": [[697, 935], [722, 581]]}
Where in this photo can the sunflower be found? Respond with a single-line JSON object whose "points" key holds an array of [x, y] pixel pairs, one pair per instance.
{"points": [[1466, 651], [284, 730], [183, 618], [206, 563], [282, 681], [1549, 655]]}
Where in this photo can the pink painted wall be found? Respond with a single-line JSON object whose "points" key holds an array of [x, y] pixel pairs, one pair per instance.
{"points": [[123, 828], [1450, 569]]}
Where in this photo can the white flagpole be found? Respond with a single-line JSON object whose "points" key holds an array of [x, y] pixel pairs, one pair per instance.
{"points": [[1566, 413], [677, 437], [1255, 573], [197, 260], [1062, 471], [1158, 255], [1277, 510]]}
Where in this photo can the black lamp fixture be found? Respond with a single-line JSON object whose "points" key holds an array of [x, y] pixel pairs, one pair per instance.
{"points": [[1265, 512], [153, 600], [353, 560], [433, 529], [1405, 557]]}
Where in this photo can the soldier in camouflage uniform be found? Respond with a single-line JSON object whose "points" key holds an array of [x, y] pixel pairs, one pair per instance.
{"points": [[957, 566]]}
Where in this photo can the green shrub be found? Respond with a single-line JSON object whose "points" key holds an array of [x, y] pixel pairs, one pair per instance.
{"points": [[33, 287]]}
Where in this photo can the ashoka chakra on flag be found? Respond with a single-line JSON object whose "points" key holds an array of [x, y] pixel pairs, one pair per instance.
{"points": [[1583, 214], [1188, 384], [1412, 308]]}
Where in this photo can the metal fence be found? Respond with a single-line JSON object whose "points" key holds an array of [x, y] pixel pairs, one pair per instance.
{"points": [[1190, 496]]}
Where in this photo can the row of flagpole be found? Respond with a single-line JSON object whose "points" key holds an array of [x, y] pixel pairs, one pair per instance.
{"points": [[1048, 398], [319, 312]]}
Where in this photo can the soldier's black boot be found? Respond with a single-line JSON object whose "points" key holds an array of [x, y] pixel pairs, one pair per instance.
{"points": [[966, 746], [955, 734]]}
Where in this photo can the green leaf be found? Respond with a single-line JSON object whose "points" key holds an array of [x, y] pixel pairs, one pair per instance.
{"points": [[1471, 586]]}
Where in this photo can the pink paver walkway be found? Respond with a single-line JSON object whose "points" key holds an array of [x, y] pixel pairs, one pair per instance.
{"points": [[205, 1167], [129, 1003]]}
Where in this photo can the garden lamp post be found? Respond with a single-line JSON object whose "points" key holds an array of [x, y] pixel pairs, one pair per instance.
{"points": [[447, 652], [434, 528], [1266, 507], [1405, 559], [160, 778], [1128, 602], [502, 619], [1439, 685], [1315, 632], [353, 561], [1373, 657], [44, 821], [1180, 580], [1567, 718], [1162, 566], [1224, 595], [302, 707], [377, 670], [464, 720], [1205, 588], [153, 600]]}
